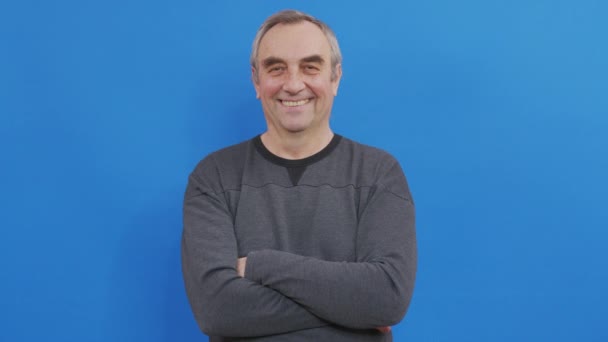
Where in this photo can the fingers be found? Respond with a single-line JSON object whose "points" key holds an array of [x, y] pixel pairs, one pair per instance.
{"points": [[241, 263], [384, 330]]}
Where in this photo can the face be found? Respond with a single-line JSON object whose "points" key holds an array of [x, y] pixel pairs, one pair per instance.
{"points": [[294, 78]]}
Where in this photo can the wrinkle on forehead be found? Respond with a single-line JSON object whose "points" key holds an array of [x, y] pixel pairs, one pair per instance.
{"points": [[295, 42]]}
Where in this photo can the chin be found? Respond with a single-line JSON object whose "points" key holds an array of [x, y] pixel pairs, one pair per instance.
{"points": [[296, 127], [295, 130]]}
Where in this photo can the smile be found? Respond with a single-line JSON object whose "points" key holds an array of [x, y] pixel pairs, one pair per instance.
{"points": [[294, 103]]}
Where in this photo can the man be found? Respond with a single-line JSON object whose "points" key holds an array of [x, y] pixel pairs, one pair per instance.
{"points": [[298, 234]]}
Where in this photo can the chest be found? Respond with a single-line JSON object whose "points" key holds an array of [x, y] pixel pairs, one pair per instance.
{"points": [[317, 221]]}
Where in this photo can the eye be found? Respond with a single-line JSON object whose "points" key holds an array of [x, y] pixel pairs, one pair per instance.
{"points": [[276, 69], [311, 69]]}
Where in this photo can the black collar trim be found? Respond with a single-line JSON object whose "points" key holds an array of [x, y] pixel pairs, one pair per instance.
{"points": [[257, 141]]}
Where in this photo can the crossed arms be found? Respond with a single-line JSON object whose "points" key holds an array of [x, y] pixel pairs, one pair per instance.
{"points": [[279, 292]]}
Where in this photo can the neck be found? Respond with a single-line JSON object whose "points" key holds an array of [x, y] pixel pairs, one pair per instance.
{"points": [[296, 146]]}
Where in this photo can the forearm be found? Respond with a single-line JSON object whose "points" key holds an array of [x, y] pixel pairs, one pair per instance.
{"points": [[223, 303], [360, 295], [373, 291]]}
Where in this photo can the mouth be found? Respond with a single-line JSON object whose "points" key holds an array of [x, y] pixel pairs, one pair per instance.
{"points": [[288, 103]]}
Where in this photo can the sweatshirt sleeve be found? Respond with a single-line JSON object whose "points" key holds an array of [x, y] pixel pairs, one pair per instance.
{"points": [[373, 291], [223, 303]]}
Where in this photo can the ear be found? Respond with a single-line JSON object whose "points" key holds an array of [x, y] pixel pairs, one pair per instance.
{"points": [[336, 81], [256, 84]]}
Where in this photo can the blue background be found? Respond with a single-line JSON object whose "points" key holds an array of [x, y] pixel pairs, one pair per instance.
{"points": [[497, 111]]}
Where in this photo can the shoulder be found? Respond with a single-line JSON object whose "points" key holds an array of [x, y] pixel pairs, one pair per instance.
{"points": [[367, 153], [225, 157], [223, 167], [376, 166], [369, 160], [232, 155]]}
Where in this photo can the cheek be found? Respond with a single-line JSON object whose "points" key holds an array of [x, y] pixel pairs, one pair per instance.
{"points": [[321, 85], [269, 87], [322, 89]]}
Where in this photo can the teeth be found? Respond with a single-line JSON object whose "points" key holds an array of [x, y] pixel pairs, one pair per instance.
{"points": [[295, 103]]}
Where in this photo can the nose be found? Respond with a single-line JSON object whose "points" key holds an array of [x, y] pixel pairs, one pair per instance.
{"points": [[293, 83]]}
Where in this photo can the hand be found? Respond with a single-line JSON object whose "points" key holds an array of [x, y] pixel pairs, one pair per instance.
{"points": [[384, 330], [240, 266]]}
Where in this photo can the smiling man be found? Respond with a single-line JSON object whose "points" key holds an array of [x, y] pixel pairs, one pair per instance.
{"points": [[296, 81], [298, 234]]}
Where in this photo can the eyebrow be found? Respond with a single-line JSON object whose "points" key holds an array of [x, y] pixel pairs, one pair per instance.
{"points": [[271, 61], [276, 60], [313, 59]]}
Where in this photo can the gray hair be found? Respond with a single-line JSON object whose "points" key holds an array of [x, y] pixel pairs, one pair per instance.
{"points": [[294, 17]]}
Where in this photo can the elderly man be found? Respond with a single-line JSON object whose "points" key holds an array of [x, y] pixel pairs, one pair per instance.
{"points": [[298, 234]]}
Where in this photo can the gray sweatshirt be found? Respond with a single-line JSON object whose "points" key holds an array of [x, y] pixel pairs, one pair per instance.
{"points": [[329, 239]]}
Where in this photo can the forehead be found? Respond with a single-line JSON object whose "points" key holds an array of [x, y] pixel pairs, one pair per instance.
{"points": [[294, 41]]}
